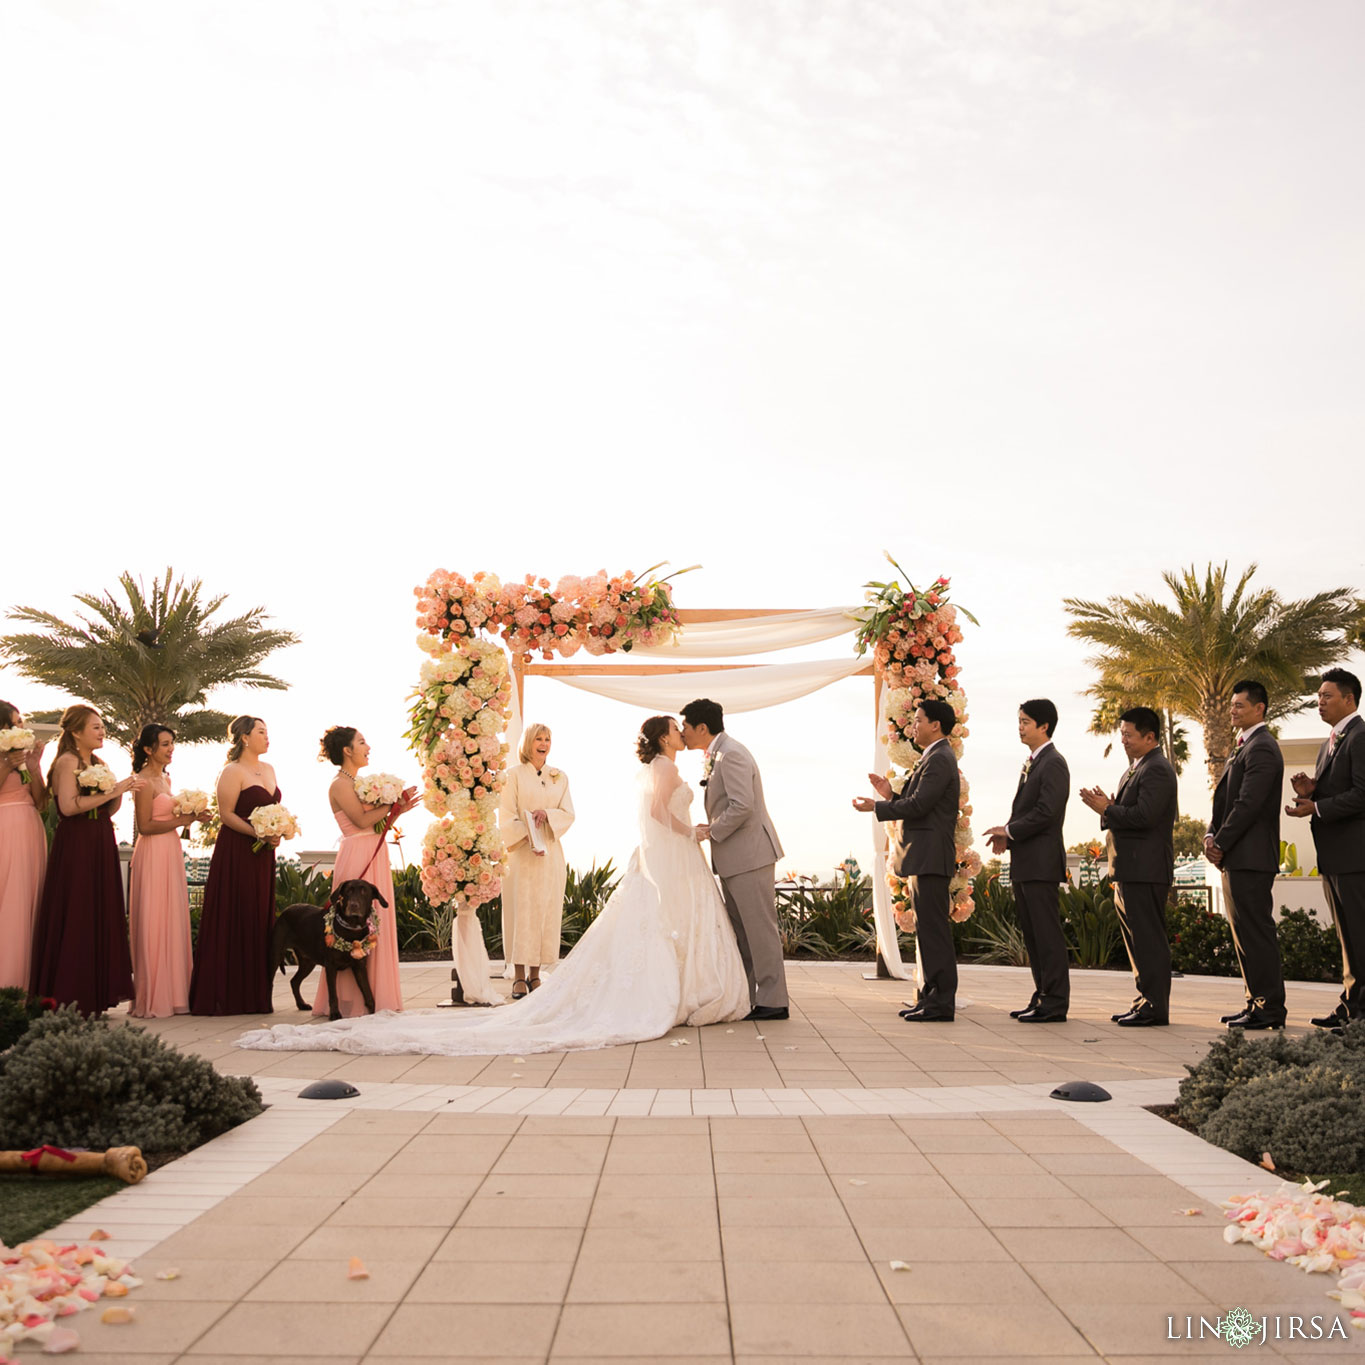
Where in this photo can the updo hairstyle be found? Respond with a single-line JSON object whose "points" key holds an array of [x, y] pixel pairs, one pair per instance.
{"points": [[649, 745], [74, 719], [237, 732], [148, 739], [333, 745]]}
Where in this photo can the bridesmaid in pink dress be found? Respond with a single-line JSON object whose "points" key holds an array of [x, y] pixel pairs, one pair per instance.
{"points": [[158, 895], [23, 853], [364, 854]]}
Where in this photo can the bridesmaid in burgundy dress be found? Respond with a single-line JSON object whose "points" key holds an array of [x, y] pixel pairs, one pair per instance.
{"points": [[231, 959], [80, 943]]}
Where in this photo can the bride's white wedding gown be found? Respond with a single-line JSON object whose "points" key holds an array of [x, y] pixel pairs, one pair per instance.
{"points": [[661, 953]]}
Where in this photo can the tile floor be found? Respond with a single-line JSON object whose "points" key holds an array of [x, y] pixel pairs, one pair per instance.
{"points": [[743, 1201]]}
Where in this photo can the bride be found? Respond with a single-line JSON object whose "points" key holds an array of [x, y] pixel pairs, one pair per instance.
{"points": [[661, 953]]}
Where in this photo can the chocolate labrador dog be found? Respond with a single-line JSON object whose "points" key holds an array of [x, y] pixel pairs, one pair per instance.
{"points": [[304, 928]]}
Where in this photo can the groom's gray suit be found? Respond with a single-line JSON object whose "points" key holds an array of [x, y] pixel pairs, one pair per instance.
{"points": [[744, 853]]}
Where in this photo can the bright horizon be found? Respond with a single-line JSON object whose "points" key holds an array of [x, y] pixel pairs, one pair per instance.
{"points": [[1047, 297]]}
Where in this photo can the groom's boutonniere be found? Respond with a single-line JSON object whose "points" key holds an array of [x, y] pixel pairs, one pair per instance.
{"points": [[708, 763]]}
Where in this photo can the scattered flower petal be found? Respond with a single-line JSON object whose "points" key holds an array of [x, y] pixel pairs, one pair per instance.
{"points": [[1267, 1161], [99, 1235], [1191, 1213], [115, 1290], [857, 1182], [168, 1274], [900, 1265], [62, 1340], [356, 1270], [117, 1314]]}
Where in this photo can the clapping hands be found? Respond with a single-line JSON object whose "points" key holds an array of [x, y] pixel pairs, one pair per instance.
{"points": [[879, 785]]}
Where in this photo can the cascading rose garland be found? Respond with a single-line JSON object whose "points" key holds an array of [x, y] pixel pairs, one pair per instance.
{"points": [[459, 710], [912, 634]]}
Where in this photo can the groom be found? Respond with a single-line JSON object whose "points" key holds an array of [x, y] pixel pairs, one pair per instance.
{"points": [[744, 852]]}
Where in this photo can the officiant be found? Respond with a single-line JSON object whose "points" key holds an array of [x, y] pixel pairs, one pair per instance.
{"points": [[534, 814]]}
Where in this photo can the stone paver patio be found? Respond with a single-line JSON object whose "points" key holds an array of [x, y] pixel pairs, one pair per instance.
{"points": [[739, 1196]]}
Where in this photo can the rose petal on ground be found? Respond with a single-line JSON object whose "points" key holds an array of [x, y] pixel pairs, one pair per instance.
{"points": [[168, 1274], [116, 1315], [99, 1235], [62, 1340], [900, 1265], [1190, 1213], [1267, 1161], [356, 1270]]}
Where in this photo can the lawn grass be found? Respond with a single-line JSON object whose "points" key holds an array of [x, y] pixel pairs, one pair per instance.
{"points": [[30, 1204], [1353, 1187]]}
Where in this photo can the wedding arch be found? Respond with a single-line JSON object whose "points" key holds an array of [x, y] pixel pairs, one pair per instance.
{"points": [[482, 638]]}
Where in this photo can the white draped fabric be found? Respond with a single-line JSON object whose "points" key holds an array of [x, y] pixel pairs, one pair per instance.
{"points": [[736, 689], [888, 939], [754, 634]]}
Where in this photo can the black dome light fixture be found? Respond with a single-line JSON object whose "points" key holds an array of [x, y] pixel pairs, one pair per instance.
{"points": [[1085, 1092], [328, 1090]]}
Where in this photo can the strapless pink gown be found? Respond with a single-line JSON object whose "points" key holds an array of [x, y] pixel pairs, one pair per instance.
{"points": [[159, 922], [352, 856], [23, 860]]}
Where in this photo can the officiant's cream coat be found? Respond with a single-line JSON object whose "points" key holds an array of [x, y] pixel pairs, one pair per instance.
{"points": [[532, 886]]}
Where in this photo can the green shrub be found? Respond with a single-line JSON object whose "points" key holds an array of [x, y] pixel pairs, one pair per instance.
{"points": [[1201, 941], [18, 1010], [1309, 951], [1090, 925], [299, 885], [584, 896], [827, 921], [78, 1082], [1307, 1119], [1300, 1098], [991, 933]]}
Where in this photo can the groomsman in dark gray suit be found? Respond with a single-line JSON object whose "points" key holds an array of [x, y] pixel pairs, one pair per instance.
{"points": [[925, 854], [1139, 820], [1244, 843], [1334, 799], [1037, 852]]}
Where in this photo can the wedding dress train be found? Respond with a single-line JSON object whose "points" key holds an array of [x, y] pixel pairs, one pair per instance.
{"points": [[661, 953]]}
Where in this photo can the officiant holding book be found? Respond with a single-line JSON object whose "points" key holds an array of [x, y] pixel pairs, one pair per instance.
{"points": [[534, 814]]}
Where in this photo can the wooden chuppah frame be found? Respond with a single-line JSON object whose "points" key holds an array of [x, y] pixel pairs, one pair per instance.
{"points": [[696, 616]]}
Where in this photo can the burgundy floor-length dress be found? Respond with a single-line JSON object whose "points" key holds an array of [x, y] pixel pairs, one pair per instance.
{"points": [[231, 958], [80, 943]]}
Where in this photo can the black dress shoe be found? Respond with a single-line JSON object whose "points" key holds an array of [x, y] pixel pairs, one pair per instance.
{"points": [[913, 1010], [928, 1016], [1143, 1018], [763, 1013], [1132, 1009], [1241, 1014], [1037, 1016], [1337, 1019], [1256, 1019], [1028, 1009]]}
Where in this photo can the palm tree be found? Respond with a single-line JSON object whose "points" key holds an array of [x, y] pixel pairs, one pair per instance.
{"points": [[1184, 657], [148, 657]]}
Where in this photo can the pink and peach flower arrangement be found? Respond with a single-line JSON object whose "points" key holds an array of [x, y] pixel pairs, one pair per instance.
{"points": [[912, 634]]}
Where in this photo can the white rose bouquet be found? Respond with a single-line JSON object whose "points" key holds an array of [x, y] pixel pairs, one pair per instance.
{"points": [[379, 789], [95, 780], [190, 802], [18, 740], [271, 822]]}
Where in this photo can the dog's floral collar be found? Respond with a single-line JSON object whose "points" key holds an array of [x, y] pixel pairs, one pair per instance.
{"points": [[362, 947]]}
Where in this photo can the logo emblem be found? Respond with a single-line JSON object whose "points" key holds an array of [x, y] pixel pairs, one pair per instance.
{"points": [[1239, 1328]]}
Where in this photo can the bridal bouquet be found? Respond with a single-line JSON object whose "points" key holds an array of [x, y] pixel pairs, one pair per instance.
{"points": [[191, 801], [271, 822], [95, 779], [379, 789], [18, 740]]}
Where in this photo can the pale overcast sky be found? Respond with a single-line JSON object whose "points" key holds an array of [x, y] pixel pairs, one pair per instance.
{"points": [[308, 299]]}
